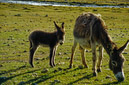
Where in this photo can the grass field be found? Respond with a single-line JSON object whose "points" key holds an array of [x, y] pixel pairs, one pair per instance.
{"points": [[16, 23]]}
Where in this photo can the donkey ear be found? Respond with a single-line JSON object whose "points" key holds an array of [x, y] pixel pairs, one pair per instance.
{"points": [[62, 25], [57, 27], [121, 49]]}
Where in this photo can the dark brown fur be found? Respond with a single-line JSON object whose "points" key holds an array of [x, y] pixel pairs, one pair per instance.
{"points": [[37, 38]]}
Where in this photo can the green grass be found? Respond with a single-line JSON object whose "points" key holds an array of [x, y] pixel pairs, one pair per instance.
{"points": [[16, 23]]}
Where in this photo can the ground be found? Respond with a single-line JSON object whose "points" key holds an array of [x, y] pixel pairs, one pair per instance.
{"points": [[18, 21]]}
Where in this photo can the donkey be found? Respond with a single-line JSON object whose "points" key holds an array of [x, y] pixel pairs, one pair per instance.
{"points": [[90, 32], [37, 38]]}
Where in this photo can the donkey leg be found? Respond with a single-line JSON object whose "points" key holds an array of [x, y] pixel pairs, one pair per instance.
{"points": [[100, 59], [93, 46], [83, 57], [72, 54], [32, 51], [51, 56]]}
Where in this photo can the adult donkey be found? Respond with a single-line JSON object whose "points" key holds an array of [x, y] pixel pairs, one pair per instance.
{"points": [[90, 32], [51, 40]]}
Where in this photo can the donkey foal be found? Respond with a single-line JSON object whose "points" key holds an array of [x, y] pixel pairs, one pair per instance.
{"points": [[37, 38]]}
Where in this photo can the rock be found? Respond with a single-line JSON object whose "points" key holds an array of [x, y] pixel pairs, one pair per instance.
{"points": [[22, 83], [57, 81], [55, 71], [13, 73], [34, 84], [59, 69], [4, 43], [43, 58], [3, 78], [74, 75], [44, 70], [59, 53], [42, 52], [17, 15], [68, 58], [37, 58], [80, 67], [65, 69], [110, 29], [94, 9], [124, 53], [34, 74], [46, 15], [8, 44], [65, 53], [19, 55], [61, 63], [1, 65], [37, 63], [87, 51], [24, 8], [107, 77], [24, 51], [96, 80]]}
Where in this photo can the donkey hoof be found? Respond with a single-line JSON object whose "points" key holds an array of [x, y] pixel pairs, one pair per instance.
{"points": [[51, 65], [70, 66], [32, 65], [94, 74], [86, 66], [98, 70], [54, 65]]}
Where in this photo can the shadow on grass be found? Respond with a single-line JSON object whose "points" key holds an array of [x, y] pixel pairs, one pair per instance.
{"points": [[43, 78], [12, 70], [4, 79], [112, 83], [85, 77]]}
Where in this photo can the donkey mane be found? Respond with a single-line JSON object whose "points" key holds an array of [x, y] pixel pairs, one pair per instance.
{"points": [[102, 34], [105, 39]]}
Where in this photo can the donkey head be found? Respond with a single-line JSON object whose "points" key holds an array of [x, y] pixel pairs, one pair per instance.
{"points": [[117, 61], [60, 33]]}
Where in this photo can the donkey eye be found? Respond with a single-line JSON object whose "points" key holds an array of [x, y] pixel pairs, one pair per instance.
{"points": [[114, 63]]}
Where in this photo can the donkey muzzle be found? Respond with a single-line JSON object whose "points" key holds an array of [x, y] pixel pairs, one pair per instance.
{"points": [[120, 76], [61, 42]]}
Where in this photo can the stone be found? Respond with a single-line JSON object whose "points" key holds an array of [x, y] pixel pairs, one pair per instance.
{"points": [[55, 71], [57, 81], [17, 15], [44, 70], [59, 69], [1, 65], [107, 77], [80, 67], [59, 53], [22, 83]]}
